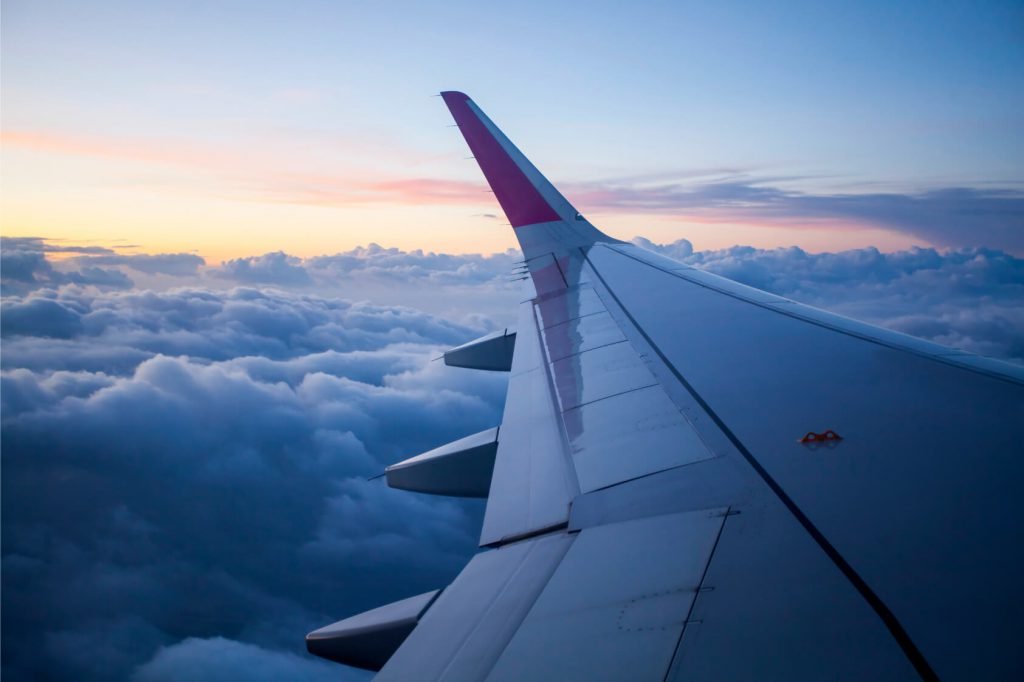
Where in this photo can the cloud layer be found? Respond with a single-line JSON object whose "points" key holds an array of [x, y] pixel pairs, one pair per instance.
{"points": [[946, 216], [184, 469], [185, 476], [24, 265]]}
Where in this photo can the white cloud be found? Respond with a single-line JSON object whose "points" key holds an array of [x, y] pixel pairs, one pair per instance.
{"points": [[184, 490], [206, 478], [217, 659]]}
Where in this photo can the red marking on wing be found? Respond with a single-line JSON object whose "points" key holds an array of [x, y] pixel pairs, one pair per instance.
{"points": [[812, 437]]}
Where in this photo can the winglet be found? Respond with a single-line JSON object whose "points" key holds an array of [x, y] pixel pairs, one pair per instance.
{"points": [[524, 194], [545, 223]]}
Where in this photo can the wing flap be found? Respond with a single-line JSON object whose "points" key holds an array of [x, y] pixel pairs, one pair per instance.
{"points": [[628, 435], [367, 640], [463, 633], [773, 607], [617, 604], [462, 468], [492, 353], [533, 479]]}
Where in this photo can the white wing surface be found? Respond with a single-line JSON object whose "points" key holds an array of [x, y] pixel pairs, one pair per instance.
{"points": [[696, 480]]}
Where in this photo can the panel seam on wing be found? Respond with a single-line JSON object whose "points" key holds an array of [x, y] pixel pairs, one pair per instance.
{"points": [[700, 587], [881, 609]]}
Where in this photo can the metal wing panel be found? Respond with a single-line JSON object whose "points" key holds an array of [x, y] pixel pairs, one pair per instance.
{"points": [[617, 604], [462, 635], [629, 435], [825, 318], [579, 335], [583, 411], [608, 370], [568, 305], [773, 607], [914, 499], [533, 479]]}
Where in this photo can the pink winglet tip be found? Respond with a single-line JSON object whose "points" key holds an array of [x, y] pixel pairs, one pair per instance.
{"points": [[519, 198]]}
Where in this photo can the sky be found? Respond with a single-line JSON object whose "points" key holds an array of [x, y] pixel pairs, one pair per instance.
{"points": [[235, 237], [230, 128]]}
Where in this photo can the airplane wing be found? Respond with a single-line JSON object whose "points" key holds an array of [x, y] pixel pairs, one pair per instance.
{"points": [[697, 480]]}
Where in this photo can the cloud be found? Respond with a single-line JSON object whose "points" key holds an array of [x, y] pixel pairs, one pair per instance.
{"points": [[216, 659], [270, 268], [21, 266], [40, 244], [174, 264], [39, 317], [369, 262], [217, 325], [209, 481], [97, 277], [48, 354], [458, 287], [184, 488], [461, 287], [947, 216], [24, 267], [205, 502]]}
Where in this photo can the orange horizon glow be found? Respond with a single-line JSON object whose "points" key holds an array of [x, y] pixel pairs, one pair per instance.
{"points": [[224, 202]]}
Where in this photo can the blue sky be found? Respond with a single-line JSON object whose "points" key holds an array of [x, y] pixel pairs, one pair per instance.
{"points": [[819, 98]]}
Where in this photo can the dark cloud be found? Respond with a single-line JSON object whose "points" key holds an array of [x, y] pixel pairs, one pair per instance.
{"points": [[191, 499], [472, 288], [23, 270], [39, 317], [46, 354], [210, 325], [367, 263], [395, 264], [98, 277], [952, 216], [184, 488], [173, 264], [200, 502], [24, 265], [41, 245], [21, 266], [270, 268], [216, 659]]}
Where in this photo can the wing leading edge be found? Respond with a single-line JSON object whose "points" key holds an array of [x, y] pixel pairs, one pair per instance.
{"points": [[652, 515]]}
